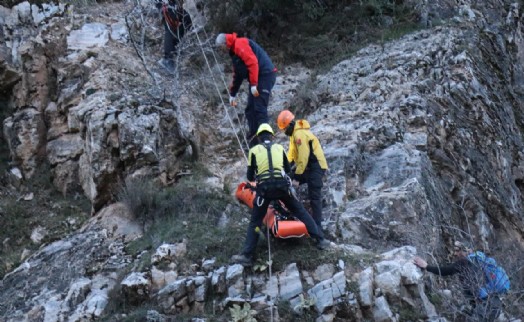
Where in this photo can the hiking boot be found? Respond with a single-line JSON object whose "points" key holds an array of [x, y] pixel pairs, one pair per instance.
{"points": [[242, 260], [168, 64], [323, 244]]}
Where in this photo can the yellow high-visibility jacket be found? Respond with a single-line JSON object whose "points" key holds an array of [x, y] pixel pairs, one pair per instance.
{"points": [[258, 162], [301, 142]]}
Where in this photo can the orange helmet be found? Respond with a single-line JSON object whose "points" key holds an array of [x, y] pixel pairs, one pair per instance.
{"points": [[284, 118]]}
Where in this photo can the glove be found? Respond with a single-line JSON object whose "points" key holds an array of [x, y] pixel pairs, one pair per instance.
{"points": [[232, 101], [254, 91]]}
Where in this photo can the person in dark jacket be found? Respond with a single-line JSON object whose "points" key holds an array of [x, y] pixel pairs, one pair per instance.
{"points": [[266, 162], [176, 21], [307, 154], [251, 62], [471, 278]]}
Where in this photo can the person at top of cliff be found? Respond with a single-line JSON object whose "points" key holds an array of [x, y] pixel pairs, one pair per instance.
{"points": [[177, 22]]}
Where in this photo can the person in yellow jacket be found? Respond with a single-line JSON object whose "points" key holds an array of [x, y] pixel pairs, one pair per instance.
{"points": [[265, 164], [306, 153]]}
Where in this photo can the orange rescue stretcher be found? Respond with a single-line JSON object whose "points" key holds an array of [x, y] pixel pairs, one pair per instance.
{"points": [[280, 222]]}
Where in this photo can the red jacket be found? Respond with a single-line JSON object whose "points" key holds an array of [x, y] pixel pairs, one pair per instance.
{"points": [[249, 61]]}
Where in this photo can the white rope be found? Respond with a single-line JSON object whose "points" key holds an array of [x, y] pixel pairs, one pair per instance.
{"points": [[219, 95], [259, 200], [270, 264], [292, 236]]}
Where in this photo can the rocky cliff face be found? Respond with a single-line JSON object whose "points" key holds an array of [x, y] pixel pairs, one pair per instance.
{"points": [[80, 103], [423, 136], [432, 120]]}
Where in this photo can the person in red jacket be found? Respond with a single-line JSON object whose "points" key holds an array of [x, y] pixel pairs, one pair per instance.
{"points": [[251, 62]]}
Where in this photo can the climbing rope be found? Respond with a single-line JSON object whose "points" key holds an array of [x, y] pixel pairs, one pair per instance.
{"points": [[226, 109], [171, 25], [270, 265]]}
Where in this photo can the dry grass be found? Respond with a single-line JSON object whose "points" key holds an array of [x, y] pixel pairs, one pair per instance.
{"points": [[56, 214]]}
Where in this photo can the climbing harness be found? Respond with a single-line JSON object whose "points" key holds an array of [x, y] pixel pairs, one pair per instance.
{"points": [[292, 189]]}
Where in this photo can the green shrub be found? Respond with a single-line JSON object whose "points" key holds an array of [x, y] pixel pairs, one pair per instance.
{"points": [[286, 313], [149, 202], [410, 314], [143, 198], [242, 314], [188, 210], [261, 265], [315, 33], [305, 304], [436, 299], [116, 299], [305, 99]]}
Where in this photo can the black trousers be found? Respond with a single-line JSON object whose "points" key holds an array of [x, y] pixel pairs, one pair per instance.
{"points": [[314, 178], [171, 39], [256, 109]]}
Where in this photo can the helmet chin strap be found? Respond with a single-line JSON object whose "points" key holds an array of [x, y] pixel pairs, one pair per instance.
{"points": [[290, 128]]}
